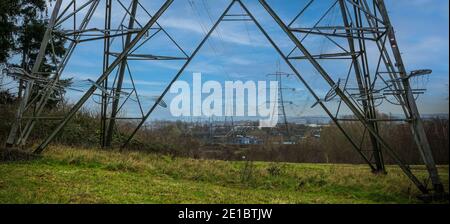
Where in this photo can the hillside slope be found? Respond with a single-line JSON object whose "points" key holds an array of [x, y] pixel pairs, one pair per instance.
{"points": [[68, 175]]}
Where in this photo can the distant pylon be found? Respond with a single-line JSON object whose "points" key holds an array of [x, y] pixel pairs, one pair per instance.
{"points": [[281, 102]]}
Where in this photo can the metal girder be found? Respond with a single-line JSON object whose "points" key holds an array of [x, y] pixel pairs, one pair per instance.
{"points": [[103, 77], [336, 56], [106, 53], [417, 127], [44, 99], [320, 32], [38, 103], [12, 137], [117, 91], [367, 102]]}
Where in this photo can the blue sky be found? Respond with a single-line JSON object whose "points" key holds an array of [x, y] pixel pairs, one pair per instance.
{"points": [[238, 51]]}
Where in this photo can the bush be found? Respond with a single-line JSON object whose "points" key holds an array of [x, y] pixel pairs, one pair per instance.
{"points": [[10, 155], [275, 169]]}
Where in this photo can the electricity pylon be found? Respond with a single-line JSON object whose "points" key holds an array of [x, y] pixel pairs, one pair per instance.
{"points": [[281, 102], [114, 95], [360, 32]]}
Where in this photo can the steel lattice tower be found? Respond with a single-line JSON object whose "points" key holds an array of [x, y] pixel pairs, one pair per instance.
{"points": [[360, 24], [281, 102]]}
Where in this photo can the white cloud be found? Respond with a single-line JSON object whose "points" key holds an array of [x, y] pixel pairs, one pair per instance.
{"points": [[222, 33]]}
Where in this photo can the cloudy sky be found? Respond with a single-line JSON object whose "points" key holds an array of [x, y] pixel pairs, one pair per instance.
{"points": [[238, 50]]}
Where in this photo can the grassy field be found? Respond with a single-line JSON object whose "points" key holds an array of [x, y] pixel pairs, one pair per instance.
{"points": [[67, 175]]}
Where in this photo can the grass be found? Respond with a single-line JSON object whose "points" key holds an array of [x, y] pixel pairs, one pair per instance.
{"points": [[69, 175]]}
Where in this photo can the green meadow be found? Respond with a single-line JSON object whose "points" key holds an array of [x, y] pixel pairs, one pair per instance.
{"points": [[72, 175]]}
